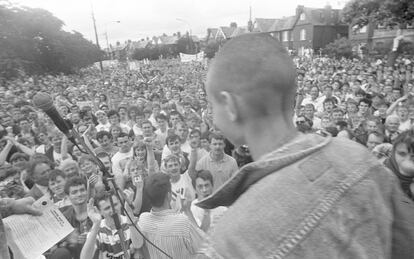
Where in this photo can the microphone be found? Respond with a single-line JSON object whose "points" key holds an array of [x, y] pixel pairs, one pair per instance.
{"points": [[44, 102]]}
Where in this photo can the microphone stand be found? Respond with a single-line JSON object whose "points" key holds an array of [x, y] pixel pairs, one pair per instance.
{"points": [[106, 178]]}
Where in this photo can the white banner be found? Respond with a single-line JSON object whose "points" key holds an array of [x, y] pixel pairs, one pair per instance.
{"points": [[199, 57]]}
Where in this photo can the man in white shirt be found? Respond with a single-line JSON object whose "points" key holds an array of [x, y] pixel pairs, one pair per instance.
{"points": [[314, 99], [205, 219], [103, 121], [125, 153]]}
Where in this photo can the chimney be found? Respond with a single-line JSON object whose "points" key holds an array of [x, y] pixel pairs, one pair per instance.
{"points": [[299, 9]]}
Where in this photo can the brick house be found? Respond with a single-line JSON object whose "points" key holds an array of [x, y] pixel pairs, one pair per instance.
{"points": [[309, 28]]}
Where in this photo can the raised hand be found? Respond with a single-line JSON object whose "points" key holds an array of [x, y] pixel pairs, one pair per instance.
{"points": [[93, 213]]}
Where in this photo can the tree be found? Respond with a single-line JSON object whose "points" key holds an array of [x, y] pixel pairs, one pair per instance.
{"points": [[32, 40], [211, 49], [387, 12], [339, 48]]}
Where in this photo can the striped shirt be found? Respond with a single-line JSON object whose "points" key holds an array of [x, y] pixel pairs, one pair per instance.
{"points": [[172, 232], [108, 241]]}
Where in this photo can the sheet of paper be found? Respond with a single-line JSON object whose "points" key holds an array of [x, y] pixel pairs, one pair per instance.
{"points": [[31, 236]]}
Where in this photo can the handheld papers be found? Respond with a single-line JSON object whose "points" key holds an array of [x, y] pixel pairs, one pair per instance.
{"points": [[30, 236]]}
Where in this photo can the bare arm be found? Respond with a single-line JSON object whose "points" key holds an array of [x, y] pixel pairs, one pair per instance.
{"points": [[5, 152], [193, 163], [395, 104]]}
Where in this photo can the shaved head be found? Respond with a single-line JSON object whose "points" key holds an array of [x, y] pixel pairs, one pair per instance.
{"points": [[258, 69]]}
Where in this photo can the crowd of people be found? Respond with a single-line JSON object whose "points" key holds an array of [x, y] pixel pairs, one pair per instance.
{"points": [[153, 130]]}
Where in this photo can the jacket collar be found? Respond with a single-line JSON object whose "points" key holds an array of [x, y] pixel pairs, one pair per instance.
{"points": [[298, 148]]}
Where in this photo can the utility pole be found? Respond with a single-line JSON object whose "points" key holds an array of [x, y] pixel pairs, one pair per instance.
{"points": [[250, 23], [96, 37]]}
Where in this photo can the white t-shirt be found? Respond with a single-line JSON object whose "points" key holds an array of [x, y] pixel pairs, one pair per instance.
{"points": [[182, 188], [406, 125], [119, 161], [215, 214], [103, 127]]}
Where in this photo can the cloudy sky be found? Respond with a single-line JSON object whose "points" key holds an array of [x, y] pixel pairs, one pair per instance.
{"points": [[140, 18]]}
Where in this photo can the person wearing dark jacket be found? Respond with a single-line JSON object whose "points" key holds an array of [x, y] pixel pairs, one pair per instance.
{"points": [[401, 162]]}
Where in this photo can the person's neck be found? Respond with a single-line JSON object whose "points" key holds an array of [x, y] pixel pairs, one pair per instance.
{"points": [[109, 221], [264, 135], [80, 209], [217, 156], [175, 178], [125, 152], [165, 206]]}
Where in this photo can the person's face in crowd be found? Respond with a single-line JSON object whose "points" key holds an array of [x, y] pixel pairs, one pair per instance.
{"points": [[174, 146], [404, 159], [337, 116], [88, 167], [162, 123], [328, 106], [363, 108], [139, 118], [345, 88], [78, 195], [156, 110], [114, 120], [393, 125], [402, 112], [105, 207], [105, 141], [335, 86], [124, 144], [7, 121], [328, 92], [41, 174], [57, 186], [102, 98], [102, 118], [326, 122], [301, 111], [173, 168], [195, 140], [17, 114], [71, 170], [382, 110], [105, 108], [201, 94], [203, 187], [314, 93], [373, 141], [57, 142], [115, 132], [217, 146], [177, 97], [106, 161], [132, 115], [174, 119], [63, 110], [168, 95], [140, 152], [205, 144], [147, 114], [309, 112], [123, 113], [75, 118], [147, 130], [203, 103], [396, 94], [388, 83], [371, 126], [24, 125], [182, 131]]}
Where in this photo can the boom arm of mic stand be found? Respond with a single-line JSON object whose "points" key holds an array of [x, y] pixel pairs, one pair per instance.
{"points": [[107, 177]]}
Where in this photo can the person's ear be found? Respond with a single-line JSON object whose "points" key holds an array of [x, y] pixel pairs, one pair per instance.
{"points": [[230, 103]]}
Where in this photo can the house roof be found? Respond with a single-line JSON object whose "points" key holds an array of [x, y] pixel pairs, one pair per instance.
{"points": [[239, 31], [264, 24], [227, 31], [283, 24]]}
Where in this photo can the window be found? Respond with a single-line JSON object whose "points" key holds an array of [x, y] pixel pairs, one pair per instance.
{"points": [[363, 29], [302, 17], [285, 36], [303, 34]]}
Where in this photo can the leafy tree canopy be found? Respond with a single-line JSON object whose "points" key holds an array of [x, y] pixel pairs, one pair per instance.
{"points": [[387, 12]]}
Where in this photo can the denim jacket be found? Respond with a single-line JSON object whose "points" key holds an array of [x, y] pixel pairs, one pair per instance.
{"points": [[316, 197]]}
